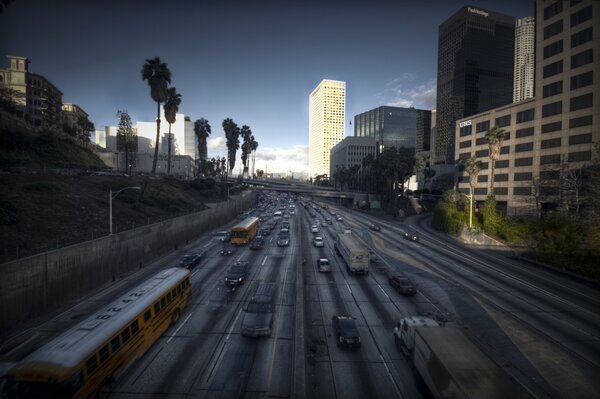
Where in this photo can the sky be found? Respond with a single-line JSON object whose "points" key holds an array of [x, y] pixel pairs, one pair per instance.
{"points": [[253, 61]]}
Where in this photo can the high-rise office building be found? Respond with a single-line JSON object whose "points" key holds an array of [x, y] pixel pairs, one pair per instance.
{"points": [[327, 112], [394, 126], [475, 70], [524, 59], [555, 131]]}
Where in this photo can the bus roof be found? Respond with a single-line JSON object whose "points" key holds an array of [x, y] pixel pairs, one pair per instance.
{"points": [[70, 348], [246, 223]]}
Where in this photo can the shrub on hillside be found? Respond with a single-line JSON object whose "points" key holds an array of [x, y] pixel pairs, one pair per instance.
{"points": [[447, 218], [492, 220]]}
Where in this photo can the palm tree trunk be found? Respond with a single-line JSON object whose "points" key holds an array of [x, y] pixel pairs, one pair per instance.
{"points": [[169, 153], [157, 140], [492, 177]]}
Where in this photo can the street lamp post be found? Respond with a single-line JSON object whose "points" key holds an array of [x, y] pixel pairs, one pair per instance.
{"points": [[470, 197], [111, 197]]}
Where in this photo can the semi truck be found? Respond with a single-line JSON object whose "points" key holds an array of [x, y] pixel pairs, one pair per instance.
{"points": [[450, 364], [354, 253]]}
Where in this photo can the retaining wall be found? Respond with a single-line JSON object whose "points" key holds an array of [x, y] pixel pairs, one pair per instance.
{"points": [[39, 284]]}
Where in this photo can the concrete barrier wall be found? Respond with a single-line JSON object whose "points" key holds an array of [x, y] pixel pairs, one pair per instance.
{"points": [[33, 286]]}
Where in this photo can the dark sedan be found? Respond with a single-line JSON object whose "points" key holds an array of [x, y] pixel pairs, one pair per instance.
{"points": [[403, 285]]}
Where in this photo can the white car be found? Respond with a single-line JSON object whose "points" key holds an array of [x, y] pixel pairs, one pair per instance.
{"points": [[318, 242], [314, 228]]}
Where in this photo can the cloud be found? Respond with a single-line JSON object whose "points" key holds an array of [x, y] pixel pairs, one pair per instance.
{"points": [[403, 92], [282, 159], [216, 144]]}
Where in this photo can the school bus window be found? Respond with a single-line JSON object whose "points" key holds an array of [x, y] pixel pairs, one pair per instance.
{"points": [[125, 335], [178, 289], [163, 302], [134, 327], [115, 344], [92, 364], [147, 315], [104, 353], [156, 308], [169, 297], [174, 293]]}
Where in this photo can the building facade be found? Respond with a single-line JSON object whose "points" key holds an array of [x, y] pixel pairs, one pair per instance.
{"points": [[524, 59], [71, 113], [553, 134], [394, 126], [327, 113], [350, 152], [475, 70], [41, 101]]}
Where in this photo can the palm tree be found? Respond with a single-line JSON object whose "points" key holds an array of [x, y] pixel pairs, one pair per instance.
{"points": [[472, 167], [246, 134], [202, 131], [232, 136], [494, 137], [158, 76], [171, 107], [253, 147]]}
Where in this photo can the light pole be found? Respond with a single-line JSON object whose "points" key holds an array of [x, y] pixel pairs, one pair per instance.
{"points": [[111, 197], [470, 197]]}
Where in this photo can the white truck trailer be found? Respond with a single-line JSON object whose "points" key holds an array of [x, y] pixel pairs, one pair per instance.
{"points": [[451, 365], [354, 253]]}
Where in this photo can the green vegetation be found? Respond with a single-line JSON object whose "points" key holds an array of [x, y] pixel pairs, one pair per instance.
{"points": [[560, 239]]}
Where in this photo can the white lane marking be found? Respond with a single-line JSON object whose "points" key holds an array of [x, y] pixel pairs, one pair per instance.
{"points": [[382, 290], [233, 325], [207, 245], [264, 260], [179, 328], [349, 290], [193, 274]]}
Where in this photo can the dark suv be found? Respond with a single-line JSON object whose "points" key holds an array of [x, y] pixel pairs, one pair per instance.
{"points": [[346, 331], [257, 242], [403, 285], [190, 260], [237, 273]]}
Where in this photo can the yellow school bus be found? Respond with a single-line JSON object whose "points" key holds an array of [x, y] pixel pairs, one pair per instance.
{"points": [[245, 231], [81, 361]]}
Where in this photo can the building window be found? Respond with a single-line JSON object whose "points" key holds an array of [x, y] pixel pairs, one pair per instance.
{"points": [[581, 16], [547, 191], [465, 144], [553, 69], [464, 155], [551, 127], [583, 58], [484, 165], [553, 9], [501, 190], [501, 177], [524, 147], [553, 29], [524, 161], [552, 89], [482, 126], [522, 176], [582, 80], [505, 150], [503, 121], [480, 141], [552, 109], [502, 164], [465, 131], [551, 143], [580, 139], [549, 159], [480, 191], [524, 132], [549, 175], [525, 116], [553, 49], [482, 178], [580, 156], [581, 102], [482, 153], [581, 121], [579, 38], [522, 191]]}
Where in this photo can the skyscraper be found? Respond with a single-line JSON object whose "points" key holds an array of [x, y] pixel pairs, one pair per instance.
{"points": [[524, 59], [327, 112], [475, 70]]}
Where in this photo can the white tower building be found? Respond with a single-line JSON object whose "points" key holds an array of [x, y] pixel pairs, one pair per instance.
{"points": [[524, 59], [327, 113]]}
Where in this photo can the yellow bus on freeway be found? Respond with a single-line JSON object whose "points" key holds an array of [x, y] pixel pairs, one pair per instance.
{"points": [[245, 231], [81, 361]]}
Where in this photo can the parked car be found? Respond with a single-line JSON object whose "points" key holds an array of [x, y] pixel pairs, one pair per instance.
{"points": [[190, 260], [237, 273], [318, 242], [411, 236], [345, 330], [323, 265], [375, 227], [257, 242], [403, 285]]}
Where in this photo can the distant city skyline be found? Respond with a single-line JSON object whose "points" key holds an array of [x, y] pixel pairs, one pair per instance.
{"points": [[259, 71]]}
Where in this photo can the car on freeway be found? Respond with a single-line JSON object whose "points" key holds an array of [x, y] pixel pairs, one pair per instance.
{"points": [[375, 227], [323, 265], [226, 250], [345, 330], [403, 285], [328, 220], [237, 273], [283, 240], [411, 236], [314, 228], [318, 242], [338, 218], [264, 231], [190, 260], [223, 236], [257, 242]]}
